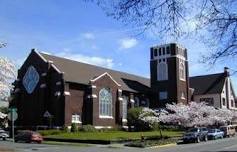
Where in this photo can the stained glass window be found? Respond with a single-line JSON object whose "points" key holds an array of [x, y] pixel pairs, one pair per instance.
{"points": [[105, 102], [30, 79]]}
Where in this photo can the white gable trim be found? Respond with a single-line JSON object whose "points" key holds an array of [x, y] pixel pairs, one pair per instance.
{"points": [[35, 50], [56, 68], [97, 78]]}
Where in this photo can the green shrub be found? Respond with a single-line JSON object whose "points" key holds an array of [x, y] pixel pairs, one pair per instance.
{"points": [[133, 120], [65, 129], [88, 128], [49, 132], [74, 127]]}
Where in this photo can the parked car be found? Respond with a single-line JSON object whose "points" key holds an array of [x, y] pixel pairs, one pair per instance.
{"points": [[3, 134], [29, 137], [215, 134], [195, 135], [228, 130]]}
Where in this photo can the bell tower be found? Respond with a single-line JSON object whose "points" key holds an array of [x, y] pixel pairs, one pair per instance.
{"points": [[169, 74]]}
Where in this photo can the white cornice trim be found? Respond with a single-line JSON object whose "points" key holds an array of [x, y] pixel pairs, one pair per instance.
{"points": [[94, 96], [44, 74], [58, 83], [97, 78], [120, 99], [43, 85], [120, 90], [100, 127], [172, 56], [92, 86], [106, 117], [56, 68], [67, 93], [35, 50]]}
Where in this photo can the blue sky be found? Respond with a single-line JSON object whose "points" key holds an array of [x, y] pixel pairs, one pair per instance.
{"points": [[82, 31]]}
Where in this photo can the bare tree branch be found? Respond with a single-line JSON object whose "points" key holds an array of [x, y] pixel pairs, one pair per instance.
{"points": [[218, 18], [3, 45]]}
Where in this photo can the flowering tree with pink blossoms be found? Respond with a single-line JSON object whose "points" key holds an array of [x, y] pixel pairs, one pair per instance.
{"points": [[191, 115], [152, 117], [197, 114], [7, 76]]}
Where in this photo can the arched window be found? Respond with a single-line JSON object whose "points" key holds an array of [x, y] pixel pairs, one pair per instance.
{"points": [[162, 71], [181, 70], [105, 102], [125, 107]]}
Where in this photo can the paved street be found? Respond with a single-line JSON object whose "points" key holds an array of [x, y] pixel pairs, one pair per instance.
{"points": [[223, 145]]}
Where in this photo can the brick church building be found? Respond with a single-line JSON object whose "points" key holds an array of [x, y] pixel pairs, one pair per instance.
{"points": [[68, 91]]}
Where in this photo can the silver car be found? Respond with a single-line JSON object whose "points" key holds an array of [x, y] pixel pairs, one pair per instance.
{"points": [[215, 134]]}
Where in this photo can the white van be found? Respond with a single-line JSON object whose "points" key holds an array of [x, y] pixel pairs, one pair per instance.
{"points": [[228, 130]]}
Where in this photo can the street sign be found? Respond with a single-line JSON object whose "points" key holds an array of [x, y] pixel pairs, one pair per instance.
{"points": [[12, 116], [13, 109], [47, 114]]}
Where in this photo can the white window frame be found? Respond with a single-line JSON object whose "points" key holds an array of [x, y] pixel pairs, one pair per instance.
{"points": [[105, 109]]}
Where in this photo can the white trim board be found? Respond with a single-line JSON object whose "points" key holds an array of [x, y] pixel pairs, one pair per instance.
{"points": [[106, 73]]}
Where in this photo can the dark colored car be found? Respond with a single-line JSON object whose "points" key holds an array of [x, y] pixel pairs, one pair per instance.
{"points": [[195, 135], [29, 137]]}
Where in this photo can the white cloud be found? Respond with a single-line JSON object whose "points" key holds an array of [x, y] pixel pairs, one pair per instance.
{"points": [[95, 60], [88, 36], [127, 43]]}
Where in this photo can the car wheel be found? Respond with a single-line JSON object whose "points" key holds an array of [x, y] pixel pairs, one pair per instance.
{"points": [[4, 139], [198, 140]]}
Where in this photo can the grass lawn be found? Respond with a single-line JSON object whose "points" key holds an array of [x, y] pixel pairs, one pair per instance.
{"points": [[112, 135]]}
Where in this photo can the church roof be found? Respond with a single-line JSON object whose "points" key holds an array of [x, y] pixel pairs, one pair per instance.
{"points": [[82, 73], [207, 84]]}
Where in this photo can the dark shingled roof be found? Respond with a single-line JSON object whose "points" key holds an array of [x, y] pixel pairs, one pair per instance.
{"points": [[82, 73], [207, 84]]}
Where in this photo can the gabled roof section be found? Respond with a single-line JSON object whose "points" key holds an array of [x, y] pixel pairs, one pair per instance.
{"points": [[97, 78], [207, 84], [82, 73]]}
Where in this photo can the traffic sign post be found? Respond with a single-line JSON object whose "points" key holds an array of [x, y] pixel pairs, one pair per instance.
{"points": [[49, 117], [12, 116]]}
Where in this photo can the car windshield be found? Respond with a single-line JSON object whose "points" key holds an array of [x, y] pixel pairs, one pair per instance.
{"points": [[212, 130], [193, 130]]}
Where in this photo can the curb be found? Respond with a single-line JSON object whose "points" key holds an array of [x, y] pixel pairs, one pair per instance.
{"points": [[161, 146]]}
